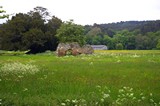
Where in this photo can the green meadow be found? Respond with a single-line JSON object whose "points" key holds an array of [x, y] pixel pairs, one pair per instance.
{"points": [[105, 78]]}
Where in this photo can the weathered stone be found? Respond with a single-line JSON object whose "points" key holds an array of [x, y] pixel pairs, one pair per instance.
{"points": [[74, 45], [75, 52], [61, 51], [87, 49], [73, 49]]}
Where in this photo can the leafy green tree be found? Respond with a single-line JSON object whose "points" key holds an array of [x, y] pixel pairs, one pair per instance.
{"points": [[110, 42], [110, 32], [40, 12], [70, 32], [11, 32], [30, 32], [142, 42], [89, 40], [95, 31], [53, 24], [51, 30], [158, 45], [34, 40], [131, 43], [1, 12], [119, 46], [2, 17]]}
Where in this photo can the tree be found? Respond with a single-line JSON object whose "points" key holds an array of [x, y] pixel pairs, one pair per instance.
{"points": [[70, 32], [131, 43], [53, 24], [29, 32], [94, 32], [51, 30], [142, 42], [110, 42], [4, 15], [40, 12], [11, 32], [34, 40], [158, 45], [119, 46]]}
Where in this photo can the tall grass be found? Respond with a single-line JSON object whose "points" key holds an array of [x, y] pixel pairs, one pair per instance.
{"points": [[69, 80]]}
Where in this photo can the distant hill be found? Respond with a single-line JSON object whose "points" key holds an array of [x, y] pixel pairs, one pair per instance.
{"points": [[142, 26]]}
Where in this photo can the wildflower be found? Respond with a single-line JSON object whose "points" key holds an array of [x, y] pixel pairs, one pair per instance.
{"points": [[106, 95], [67, 100], [14, 93], [109, 91], [124, 87], [102, 100], [131, 90], [134, 98], [0, 101], [96, 103], [143, 98], [91, 63], [131, 95], [45, 76], [74, 101], [83, 100], [98, 86], [141, 94], [118, 61], [135, 56], [117, 101], [18, 68], [63, 104], [25, 89], [123, 95], [121, 91], [151, 94], [127, 94], [151, 100], [155, 104], [20, 76], [123, 99]]}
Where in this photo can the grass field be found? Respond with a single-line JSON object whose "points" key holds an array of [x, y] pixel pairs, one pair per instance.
{"points": [[106, 78]]}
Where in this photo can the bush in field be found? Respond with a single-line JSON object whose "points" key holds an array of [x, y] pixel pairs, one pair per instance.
{"points": [[17, 68]]}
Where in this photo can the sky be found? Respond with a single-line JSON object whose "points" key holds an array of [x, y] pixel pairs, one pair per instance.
{"points": [[90, 11]]}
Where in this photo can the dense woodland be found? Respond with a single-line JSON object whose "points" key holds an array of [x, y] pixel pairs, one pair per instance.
{"points": [[37, 31]]}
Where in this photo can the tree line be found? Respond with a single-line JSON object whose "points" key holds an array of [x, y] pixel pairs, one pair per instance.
{"points": [[130, 35], [37, 31], [31, 31]]}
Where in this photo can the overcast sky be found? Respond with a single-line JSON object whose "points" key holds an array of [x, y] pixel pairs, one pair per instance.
{"points": [[90, 11]]}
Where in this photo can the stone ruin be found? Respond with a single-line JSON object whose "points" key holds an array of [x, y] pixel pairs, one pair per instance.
{"points": [[73, 49]]}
